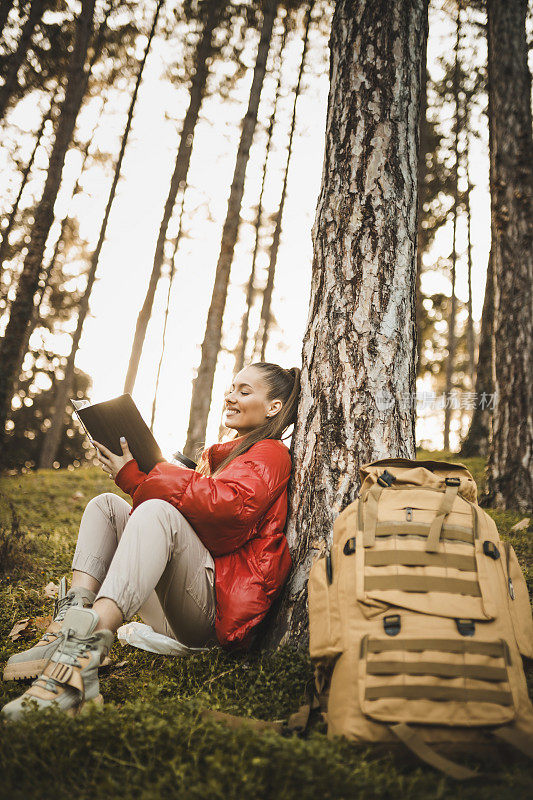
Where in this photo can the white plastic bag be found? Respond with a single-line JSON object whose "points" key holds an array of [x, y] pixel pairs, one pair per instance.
{"points": [[143, 636]]}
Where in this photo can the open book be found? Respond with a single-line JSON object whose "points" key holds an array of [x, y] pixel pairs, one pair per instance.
{"points": [[106, 422]]}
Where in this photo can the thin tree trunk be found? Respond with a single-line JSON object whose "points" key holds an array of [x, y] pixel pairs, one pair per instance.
{"points": [[24, 179], [243, 339], [15, 60], [181, 168], [203, 384], [510, 465], [264, 322], [470, 338], [54, 434], [22, 306], [450, 359], [359, 349], [5, 8], [422, 169], [46, 273], [172, 274], [476, 443]]}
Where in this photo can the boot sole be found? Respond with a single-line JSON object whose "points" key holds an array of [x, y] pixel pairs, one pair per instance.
{"points": [[25, 670], [97, 702]]}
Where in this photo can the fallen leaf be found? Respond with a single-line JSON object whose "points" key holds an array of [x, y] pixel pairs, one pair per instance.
{"points": [[18, 629], [522, 525], [51, 590], [107, 664], [42, 623], [77, 495]]}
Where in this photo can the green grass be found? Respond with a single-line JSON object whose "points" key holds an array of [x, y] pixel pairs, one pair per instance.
{"points": [[150, 740]]}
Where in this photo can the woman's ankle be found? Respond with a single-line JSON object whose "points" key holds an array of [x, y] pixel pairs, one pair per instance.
{"points": [[82, 580]]}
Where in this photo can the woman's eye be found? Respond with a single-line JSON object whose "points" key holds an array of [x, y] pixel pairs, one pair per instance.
{"points": [[245, 393]]}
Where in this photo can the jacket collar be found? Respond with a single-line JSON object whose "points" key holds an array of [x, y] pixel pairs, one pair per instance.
{"points": [[218, 452]]}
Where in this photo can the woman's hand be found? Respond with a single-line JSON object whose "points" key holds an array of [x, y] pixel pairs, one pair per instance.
{"points": [[111, 463]]}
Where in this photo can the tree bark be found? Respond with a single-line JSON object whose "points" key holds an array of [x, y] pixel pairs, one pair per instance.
{"points": [[422, 168], [203, 384], [451, 347], [476, 442], [510, 465], [54, 434], [21, 308], [15, 60], [181, 168], [264, 322], [24, 179], [250, 288], [359, 352]]}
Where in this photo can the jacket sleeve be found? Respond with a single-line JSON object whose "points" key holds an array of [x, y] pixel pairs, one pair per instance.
{"points": [[130, 477], [223, 510]]}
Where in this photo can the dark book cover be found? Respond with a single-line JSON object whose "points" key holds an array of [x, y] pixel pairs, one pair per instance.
{"points": [[106, 422]]}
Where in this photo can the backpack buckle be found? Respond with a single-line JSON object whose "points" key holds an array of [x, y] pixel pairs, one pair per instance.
{"points": [[452, 481], [392, 624], [349, 547], [386, 479], [490, 550], [466, 627]]}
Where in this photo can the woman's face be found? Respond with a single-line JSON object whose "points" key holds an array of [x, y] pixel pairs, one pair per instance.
{"points": [[246, 405]]}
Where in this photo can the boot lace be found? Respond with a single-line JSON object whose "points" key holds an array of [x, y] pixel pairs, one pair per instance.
{"points": [[70, 649], [62, 606]]}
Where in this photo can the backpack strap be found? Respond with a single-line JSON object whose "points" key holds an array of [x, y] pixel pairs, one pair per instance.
{"points": [[420, 748], [384, 481], [518, 739], [452, 487]]}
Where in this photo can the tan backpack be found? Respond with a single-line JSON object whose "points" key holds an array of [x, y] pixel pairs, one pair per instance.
{"points": [[419, 615]]}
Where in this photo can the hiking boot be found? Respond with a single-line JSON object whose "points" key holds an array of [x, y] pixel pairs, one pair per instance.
{"points": [[70, 679], [31, 663]]}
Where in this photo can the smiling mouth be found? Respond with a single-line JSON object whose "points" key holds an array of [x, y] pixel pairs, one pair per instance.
{"points": [[230, 412]]}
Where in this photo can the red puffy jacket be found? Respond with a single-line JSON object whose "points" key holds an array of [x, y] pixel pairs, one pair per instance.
{"points": [[239, 515]]}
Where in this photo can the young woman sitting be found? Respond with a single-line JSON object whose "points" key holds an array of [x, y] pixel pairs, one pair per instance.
{"points": [[201, 556]]}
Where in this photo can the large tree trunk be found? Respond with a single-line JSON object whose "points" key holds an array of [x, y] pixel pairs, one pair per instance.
{"points": [[240, 352], [264, 322], [510, 466], [4, 244], [203, 384], [422, 169], [359, 353], [451, 346], [181, 168], [15, 60], [54, 434], [477, 439], [22, 306]]}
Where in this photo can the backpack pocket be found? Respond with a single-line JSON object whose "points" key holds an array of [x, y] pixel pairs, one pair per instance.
{"points": [[324, 613], [518, 602], [436, 680], [409, 561]]}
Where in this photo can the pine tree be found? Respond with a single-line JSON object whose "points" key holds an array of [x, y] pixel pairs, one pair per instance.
{"points": [[359, 351], [213, 10], [53, 438], [510, 465], [264, 323], [21, 308], [203, 384]]}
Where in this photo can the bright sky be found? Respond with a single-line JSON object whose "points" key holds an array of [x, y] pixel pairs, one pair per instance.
{"points": [[126, 259]]}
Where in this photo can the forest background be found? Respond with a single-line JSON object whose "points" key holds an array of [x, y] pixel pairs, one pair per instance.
{"points": [[454, 130]]}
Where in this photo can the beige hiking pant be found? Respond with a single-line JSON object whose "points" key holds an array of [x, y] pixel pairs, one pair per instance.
{"points": [[151, 563]]}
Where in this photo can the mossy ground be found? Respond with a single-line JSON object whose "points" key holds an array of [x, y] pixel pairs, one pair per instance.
{"points": [[150, 740]]}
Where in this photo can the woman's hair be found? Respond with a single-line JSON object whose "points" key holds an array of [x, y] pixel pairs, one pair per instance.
{"points": [[282, 384]]}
